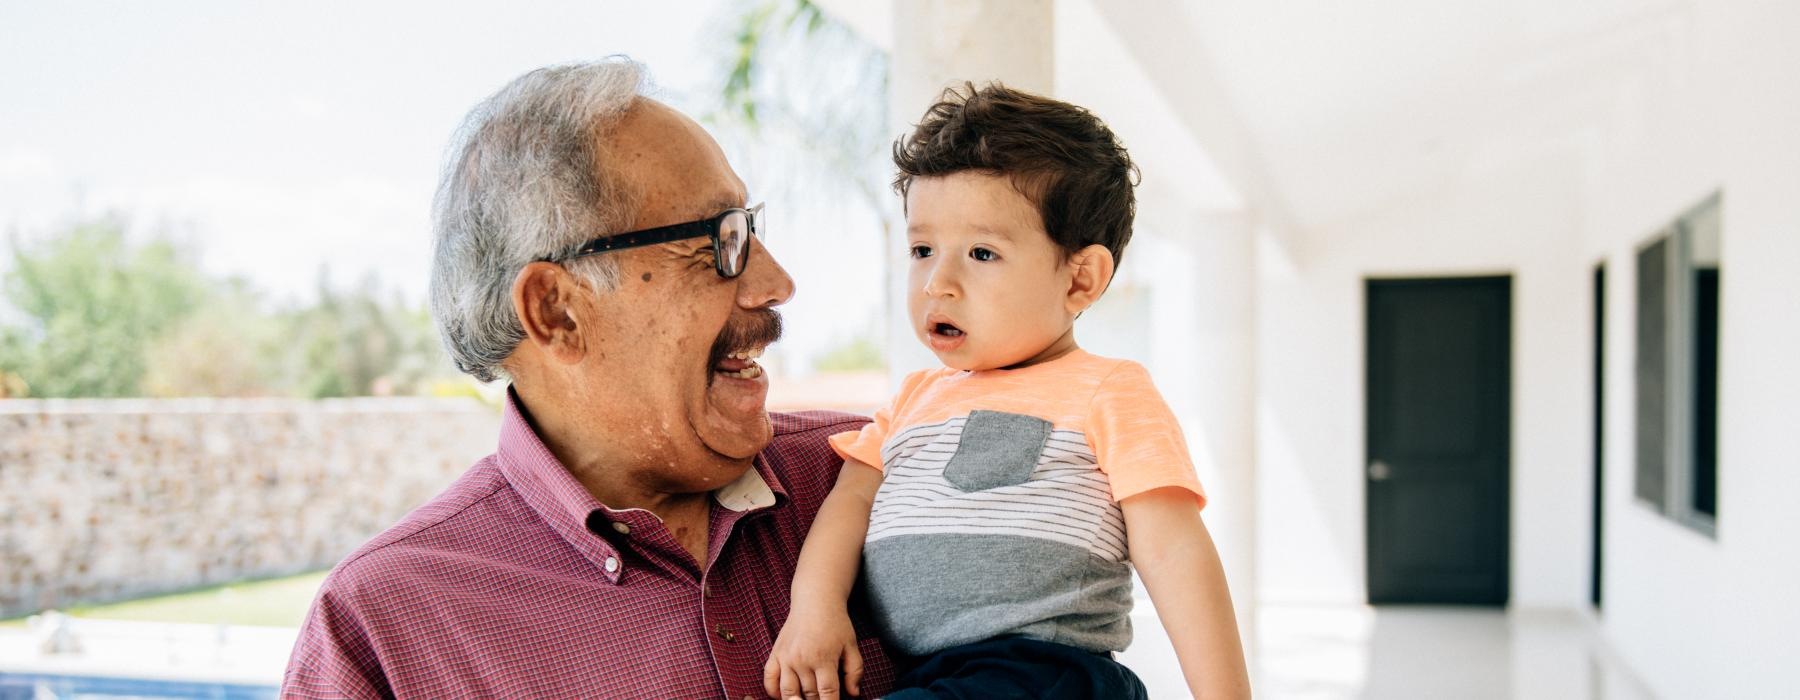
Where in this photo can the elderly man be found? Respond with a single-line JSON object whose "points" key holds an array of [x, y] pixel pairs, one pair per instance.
{"points": [[635, 532]]}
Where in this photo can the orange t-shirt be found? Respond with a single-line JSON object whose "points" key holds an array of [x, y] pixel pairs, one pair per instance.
{"points": [[1108, 406], [998, 513]]}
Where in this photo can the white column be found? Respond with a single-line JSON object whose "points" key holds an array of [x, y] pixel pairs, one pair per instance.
{"points": [[937, 44], [1203, 353]]}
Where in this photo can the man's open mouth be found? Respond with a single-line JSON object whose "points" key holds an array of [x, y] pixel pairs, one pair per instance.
{"points": [[740, 364], [735, 351]]}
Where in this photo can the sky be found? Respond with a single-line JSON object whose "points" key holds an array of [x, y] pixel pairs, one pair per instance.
{"points": [[279, 138]]}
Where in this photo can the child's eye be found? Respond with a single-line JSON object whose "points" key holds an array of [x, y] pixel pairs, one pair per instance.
{"points": [[920, 251], [983, 254]]}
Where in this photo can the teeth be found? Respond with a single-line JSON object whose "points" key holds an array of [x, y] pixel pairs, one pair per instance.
{"points": [[750, 354], [751, 372]]}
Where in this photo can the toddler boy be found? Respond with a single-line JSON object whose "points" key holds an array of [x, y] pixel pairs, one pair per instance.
{"points": [[998, 504]]}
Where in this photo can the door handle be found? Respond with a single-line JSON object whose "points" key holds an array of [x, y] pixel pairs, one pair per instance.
{"points": [[1380, 471]]}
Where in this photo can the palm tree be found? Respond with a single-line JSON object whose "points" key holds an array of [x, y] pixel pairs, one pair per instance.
{"points": [[806, 98]]}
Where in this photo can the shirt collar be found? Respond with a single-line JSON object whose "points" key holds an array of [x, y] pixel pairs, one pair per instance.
{"points": [[555, 495]]}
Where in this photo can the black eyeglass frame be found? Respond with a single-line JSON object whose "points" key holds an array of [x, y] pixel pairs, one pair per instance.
{"points": [[708, 227]]}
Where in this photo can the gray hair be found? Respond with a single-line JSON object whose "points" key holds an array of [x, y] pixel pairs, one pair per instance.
{"points": [[523, 183]]}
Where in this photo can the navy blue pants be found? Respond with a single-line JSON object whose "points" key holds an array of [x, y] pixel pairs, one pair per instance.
{"points": [[1015, 667]]}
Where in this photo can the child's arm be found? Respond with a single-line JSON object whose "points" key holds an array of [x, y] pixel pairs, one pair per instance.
{"points": [[817, 633], [1175, 556]]}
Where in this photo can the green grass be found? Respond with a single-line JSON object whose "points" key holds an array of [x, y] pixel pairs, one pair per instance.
{"points": [[280, 602]]}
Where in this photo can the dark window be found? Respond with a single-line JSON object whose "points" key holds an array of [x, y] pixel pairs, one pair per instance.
{"points": [[1599, 431], [1706, 390], [1678, 369], [1652, 370]]}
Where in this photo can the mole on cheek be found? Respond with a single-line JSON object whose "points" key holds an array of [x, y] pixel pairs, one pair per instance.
{"points": [[646, 277]]}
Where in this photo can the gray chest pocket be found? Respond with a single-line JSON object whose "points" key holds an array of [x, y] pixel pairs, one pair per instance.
{"points": [[997, 449]]}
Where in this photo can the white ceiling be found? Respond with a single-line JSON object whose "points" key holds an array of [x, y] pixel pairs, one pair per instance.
{"points": [[1343, 109], [1323, 111]]}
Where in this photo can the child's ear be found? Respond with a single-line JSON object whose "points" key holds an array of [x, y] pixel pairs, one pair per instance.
{"points": [[1091, 270]]}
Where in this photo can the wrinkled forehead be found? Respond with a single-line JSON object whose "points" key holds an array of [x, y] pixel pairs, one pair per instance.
{"points": [[676, 170]]}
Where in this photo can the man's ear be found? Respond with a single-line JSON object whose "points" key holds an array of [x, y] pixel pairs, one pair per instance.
{"points": [[542, 296], [1091, 270]]}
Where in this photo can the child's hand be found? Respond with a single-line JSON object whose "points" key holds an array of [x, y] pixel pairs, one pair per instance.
{"points": [[804, 662]]}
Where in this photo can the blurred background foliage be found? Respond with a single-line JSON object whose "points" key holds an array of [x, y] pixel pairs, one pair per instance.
{"points": [[807, 97], [93, 314], [88, 311], [803, 102]]}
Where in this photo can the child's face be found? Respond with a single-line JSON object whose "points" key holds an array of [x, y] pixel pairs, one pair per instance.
{"points": [[987, 288]]}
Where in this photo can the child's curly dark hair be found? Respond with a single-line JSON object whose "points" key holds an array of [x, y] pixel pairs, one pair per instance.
{"points": [[1059, 156]]}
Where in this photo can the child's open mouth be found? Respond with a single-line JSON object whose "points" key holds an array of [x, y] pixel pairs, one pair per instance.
{"points": [[943, 336]]}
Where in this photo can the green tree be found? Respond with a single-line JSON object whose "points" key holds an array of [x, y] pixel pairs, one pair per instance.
{"points": [[354, 343], [88, 303], [229, 346], [94, 315], [805, 98], [810, 97]]}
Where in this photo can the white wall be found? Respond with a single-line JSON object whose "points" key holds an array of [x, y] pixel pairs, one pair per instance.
{"points": [[1696, 616], [1182, 302], [1697, 96], [1520, 221]]}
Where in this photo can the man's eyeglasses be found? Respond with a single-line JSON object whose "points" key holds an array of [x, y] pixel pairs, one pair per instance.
{"points": [[730, 232]]}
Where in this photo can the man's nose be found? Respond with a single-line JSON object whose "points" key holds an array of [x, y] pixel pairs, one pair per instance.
{"points": [[764, 282]]}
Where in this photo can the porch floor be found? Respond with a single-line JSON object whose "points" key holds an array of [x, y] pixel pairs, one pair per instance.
{"points": [[1402, 652], [1305, 653]]}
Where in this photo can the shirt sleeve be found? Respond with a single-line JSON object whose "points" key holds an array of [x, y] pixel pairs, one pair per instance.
{"points": [[1136, 438], [334, 656], [865, 445]]}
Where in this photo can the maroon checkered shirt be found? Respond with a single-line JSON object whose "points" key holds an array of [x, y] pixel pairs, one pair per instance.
{"points": [[516, 583]]}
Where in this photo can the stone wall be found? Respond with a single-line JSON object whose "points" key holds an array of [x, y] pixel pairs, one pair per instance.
{"points": [[110, 500]]}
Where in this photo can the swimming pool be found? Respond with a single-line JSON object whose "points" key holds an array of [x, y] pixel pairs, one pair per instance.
{"points": [[38, 686]]}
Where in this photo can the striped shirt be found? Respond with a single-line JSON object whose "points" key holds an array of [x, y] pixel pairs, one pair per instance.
{"points": [[998, 509], [515, 582]]}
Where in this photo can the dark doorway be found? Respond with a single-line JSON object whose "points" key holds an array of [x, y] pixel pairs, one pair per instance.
{"points": [[1439, 426], [1599, 427]]}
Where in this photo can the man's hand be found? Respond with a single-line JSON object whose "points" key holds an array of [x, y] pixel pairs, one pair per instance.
{"points": [[804, 663]]}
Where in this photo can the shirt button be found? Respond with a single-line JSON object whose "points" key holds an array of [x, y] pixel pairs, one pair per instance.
{"points": [[612, 564], [724, 634], [622, 528]]}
